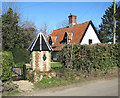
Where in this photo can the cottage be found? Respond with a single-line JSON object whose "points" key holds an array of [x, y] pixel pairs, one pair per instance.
{"points": [[84, 33], [40, 53]]}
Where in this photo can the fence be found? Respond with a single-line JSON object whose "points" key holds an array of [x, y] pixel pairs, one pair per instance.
{"points": [[19, 73]]}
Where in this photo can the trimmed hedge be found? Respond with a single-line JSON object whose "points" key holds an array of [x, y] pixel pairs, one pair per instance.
{"points": [[89, 57], [7, 63]]}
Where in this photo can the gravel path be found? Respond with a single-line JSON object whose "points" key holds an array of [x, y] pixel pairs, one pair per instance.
{"points": [[24, 85]]}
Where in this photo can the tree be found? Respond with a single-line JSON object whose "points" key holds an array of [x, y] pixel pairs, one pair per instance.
{"points": [[29, 32], [0, 35], [118, 23], [10, 30], [14, 35], [106, 27]]}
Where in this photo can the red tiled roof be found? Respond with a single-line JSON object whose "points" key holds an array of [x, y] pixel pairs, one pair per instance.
{"points": [[77, 31]]}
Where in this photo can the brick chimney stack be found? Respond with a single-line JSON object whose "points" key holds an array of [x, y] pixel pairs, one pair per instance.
{"points": [[72, 20]]}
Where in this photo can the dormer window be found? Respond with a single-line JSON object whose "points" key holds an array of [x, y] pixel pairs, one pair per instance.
{"points": [[52, 40], [70, 36], [65, 39]]}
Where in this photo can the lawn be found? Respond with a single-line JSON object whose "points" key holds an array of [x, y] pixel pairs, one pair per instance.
{"points": [[55, 64]]}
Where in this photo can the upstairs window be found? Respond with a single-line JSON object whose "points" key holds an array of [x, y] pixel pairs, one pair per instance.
{"points": [[65, 39], [70, 36], [90, 41], [50, 41]]}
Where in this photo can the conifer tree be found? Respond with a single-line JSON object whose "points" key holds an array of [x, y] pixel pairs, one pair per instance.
{"points": [[106, 27], [118, 23], [14, 35], [9, 29]]}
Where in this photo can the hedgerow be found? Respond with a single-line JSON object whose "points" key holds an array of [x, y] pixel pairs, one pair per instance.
{"points": [[7, 63], [88, 57]]}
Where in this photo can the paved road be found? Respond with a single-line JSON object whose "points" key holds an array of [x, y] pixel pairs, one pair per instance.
{"points": [[89, 88]]}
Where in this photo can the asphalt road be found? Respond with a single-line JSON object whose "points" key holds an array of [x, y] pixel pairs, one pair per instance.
{"points": [[89, 88]]}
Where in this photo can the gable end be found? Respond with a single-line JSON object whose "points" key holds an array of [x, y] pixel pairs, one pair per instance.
{"points": [[90, 23]]}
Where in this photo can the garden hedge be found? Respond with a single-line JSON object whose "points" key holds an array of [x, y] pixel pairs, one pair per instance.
{"points": [[89, 57], [7, 63]]}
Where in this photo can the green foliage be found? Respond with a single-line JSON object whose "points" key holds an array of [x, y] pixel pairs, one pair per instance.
{"points": [[27, 67], [11, 93], [21, 55], [67, 76], [52, 82], [14, 34], [46, 83], [7, 63], [10, 30], [88, 57], [30, 76], [17, 37], [55, 64], [106, 27]]}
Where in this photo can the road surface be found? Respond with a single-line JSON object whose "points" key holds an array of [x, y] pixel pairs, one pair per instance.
{"points": [[89, 88]]}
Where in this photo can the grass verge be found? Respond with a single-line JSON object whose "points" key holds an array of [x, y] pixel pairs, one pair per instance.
{"points": [[54, 82], [14, 92], [67, 77]]}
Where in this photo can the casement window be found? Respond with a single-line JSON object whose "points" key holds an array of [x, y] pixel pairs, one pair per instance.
{"points": [[90, 41]]}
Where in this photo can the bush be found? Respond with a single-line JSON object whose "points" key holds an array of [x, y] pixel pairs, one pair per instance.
{"points": [[21, 56], [7, 63], [89, 57]]}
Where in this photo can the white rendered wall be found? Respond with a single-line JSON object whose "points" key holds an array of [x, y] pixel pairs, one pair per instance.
{"points": [[90, 34]]}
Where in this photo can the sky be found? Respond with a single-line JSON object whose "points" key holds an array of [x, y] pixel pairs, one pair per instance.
{"points": [[54, 13]]}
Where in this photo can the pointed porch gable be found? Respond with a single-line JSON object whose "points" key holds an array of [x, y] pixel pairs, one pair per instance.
{"points": [[40, 44]]}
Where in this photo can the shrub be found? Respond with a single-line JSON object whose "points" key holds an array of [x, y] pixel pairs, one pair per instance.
{"points": [[89, 57], [7, 63]]}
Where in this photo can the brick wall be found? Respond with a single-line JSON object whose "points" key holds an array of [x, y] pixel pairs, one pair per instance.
{"points": [[38, 62]]}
